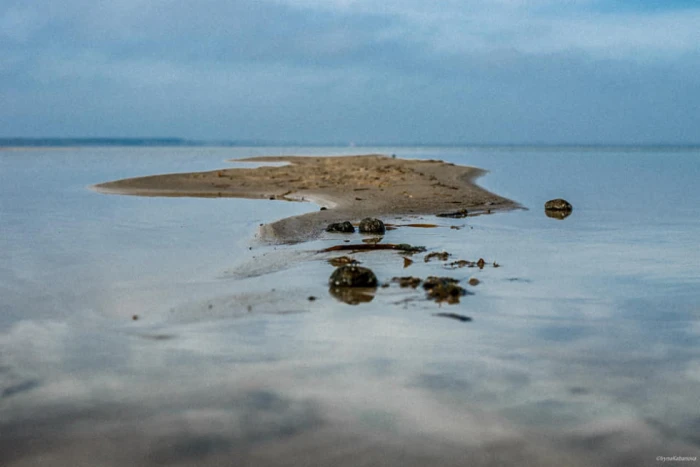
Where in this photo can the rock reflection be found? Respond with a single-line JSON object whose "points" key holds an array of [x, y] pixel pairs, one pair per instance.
{"points": [[557, 214], [353, 295]]}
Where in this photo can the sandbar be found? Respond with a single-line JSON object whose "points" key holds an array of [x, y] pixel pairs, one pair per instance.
{"points": [[348, 187]]}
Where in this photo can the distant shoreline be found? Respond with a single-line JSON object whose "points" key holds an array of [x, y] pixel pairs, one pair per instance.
{"points": [[60, 143]]}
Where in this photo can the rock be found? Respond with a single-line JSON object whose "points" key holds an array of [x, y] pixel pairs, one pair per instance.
{"points": [[372, 226], [557, 205], [353, 276], [557, 208], [341, 227]]}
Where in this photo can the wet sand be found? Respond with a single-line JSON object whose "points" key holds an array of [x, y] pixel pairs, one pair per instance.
{"points": [[349, 187]]}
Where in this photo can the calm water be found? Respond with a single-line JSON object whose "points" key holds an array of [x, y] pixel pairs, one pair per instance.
{"points": [[583, 349]]}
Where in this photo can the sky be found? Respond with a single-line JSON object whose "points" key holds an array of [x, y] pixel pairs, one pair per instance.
{"points": [[353, 71]]}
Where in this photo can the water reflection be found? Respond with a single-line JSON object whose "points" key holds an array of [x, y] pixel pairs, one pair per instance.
{"points": [[353, 295], [553, 214], [583, 349]]}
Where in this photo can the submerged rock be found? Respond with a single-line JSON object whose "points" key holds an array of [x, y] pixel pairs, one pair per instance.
{"points": [[557, 205], [407, 281], [353, 276], [443, 289], [341, 227], [371, 225]]}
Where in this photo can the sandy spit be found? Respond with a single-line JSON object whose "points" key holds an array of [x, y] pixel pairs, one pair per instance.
{"points": [[350, 187]]}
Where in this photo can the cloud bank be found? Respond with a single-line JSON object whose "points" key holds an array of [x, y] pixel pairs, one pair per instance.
{"points": [[585, 71]]}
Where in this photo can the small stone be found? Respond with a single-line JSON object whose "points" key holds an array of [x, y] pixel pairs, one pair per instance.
{"points": [[372, 226], [341, 227], [353, 276], [312, 298], [557, 205], [135, 317], [473, 281], [323, 208]]}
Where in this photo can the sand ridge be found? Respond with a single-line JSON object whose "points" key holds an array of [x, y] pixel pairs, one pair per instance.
{"points": [[350, 187]]}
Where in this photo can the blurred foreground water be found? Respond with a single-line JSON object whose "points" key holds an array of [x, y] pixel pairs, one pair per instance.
{"points": [[583, 347]]}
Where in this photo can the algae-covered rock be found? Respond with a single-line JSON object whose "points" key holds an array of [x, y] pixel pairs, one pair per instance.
{"points": [[341, 227], [353, 276], [371, 225], [557, 205]]}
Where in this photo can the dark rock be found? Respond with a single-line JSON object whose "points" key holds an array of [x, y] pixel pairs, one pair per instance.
{"points": [[557, 205], [341, 227], [323, 208], [372, 226], [353, 276]]}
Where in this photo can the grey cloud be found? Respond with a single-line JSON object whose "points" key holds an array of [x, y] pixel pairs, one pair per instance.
{"points": [[346, 71]]}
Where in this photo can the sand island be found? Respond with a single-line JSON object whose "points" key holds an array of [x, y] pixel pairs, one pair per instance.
{"points": [[348, 187]]}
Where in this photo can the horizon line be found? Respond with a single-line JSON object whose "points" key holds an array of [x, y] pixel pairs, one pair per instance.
{"points": [[187, 142]]}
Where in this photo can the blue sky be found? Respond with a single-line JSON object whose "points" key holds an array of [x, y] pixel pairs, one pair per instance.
{"points": [[364, 71]]}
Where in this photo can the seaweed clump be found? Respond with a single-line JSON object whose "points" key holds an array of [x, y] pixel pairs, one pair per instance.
{"points": [[443, 289]]}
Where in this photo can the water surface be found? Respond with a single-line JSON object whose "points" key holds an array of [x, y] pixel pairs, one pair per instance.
{"points": [[582, 349]]}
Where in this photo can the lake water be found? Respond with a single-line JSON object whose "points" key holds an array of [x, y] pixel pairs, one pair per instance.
{"points": [[583, 348]]}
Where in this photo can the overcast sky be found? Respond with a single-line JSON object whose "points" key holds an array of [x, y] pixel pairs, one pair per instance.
{"points": [[364, 71]]}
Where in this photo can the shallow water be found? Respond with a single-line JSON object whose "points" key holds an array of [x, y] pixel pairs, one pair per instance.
{"points": [[582, 349]]}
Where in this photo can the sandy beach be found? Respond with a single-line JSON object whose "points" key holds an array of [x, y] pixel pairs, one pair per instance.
{"points": [[349, 188]]}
